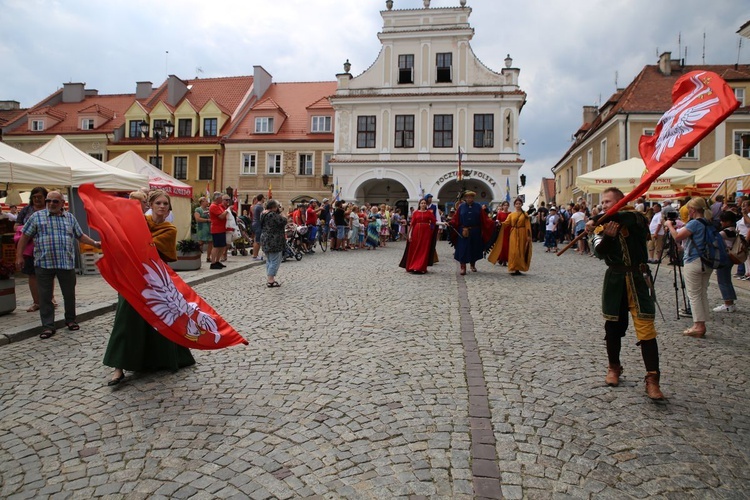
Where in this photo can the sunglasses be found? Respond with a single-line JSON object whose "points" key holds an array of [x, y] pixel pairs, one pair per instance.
{"points": [[52, 201]]}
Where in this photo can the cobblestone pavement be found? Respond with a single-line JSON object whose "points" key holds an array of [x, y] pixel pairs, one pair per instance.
{"points": [[363, 381]]}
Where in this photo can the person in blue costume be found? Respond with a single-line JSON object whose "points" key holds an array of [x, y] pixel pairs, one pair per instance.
{"points": [[472, 231]]}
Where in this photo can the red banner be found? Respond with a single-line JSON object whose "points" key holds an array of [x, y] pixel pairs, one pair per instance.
{"points": [[131, 265], [702, 100]]}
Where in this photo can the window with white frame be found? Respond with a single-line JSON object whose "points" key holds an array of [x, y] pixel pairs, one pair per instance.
{"points": [[248, 166], [739, 94], [692, 154], [134, 128], [274, 163], [305, 164], [444, 67], [579, 166], [87, 124], [589, 160], [366, 131], [603, 153], [37, 125], [406, 68], [742, 143], [96, 156], [327, 164], [321, 124], [180, 168], [264, 125], [404, 131]]}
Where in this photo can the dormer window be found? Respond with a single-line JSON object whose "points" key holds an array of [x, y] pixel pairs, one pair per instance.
{"points": [[37, 125], [264, 125], [444, 64], [406, 68], [321, 124], [739, 94], [210, 127], [87, 124]]}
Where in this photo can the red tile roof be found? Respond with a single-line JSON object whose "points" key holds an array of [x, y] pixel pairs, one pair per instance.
{"points": [[549, 188], [99, 110], [10, 115], [295, 99]]}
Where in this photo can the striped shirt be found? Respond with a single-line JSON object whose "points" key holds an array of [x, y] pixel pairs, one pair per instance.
{"points": [[54, 239]]}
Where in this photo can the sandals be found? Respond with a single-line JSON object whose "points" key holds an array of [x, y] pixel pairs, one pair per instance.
{"points": [[692, 332], [72, 326], [47, 333], [34, 307], [274, 284]]}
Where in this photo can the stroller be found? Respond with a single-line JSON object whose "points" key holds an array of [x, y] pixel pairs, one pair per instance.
{"points": [[242, 243], [292, 246]]}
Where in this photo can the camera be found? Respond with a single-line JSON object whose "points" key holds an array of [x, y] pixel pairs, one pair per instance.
{"points": [[671, 216]]}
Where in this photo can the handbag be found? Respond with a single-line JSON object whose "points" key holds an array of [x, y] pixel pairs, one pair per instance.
{"points": [[29, 250], [738, 252]]}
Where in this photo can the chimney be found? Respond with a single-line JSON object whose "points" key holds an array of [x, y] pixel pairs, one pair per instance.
{"points": [[262, 79], [176, 90], [590, 113], [143, 89], [665, 63], [9, 105], [73, 92], [91, 92]]}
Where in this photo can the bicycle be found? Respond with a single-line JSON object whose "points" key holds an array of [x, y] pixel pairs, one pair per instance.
{"points": [[322, 237]]}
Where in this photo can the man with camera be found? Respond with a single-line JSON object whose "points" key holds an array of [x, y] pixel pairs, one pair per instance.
{"points": [[628, 288]]}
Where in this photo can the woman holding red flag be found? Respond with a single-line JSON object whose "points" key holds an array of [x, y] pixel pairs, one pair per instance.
{"points": [[134, 344], [419, 239]]}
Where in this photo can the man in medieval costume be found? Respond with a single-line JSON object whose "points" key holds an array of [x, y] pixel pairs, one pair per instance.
{"points": [[473, 230], [628, 288]]}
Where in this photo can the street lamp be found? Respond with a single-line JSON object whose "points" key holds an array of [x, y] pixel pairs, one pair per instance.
{"points": [[160, 132]]}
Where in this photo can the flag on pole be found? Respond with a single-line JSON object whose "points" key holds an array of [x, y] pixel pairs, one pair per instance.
{"points": [[132, 266], [270, 191], [421, 189], [460, 170], [208, 191], [337, 190], [702, 100], [507, 189]]}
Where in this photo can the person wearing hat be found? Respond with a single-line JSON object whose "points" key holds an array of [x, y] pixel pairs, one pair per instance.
{"points": [[550, 234], [473, 230]]}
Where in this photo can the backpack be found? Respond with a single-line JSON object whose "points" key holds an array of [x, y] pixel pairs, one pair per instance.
{"points": [[714, 252], [738, 252]]}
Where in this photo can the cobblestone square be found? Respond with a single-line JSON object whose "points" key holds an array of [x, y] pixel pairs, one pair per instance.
{"points": [[363, 381]]}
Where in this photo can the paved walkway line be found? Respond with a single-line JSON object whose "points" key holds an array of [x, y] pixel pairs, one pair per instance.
{"points": [[484, 461], [32, 328]]}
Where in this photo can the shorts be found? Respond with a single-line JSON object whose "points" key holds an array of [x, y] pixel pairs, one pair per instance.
{"points": [[220, 239], [340, 232], [28, 266]]}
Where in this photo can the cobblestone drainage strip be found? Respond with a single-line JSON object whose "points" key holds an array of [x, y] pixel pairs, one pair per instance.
{"points": [[484, 467]]}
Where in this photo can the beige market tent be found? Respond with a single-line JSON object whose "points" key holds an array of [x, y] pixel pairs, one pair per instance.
{"points": [[87, 169], [709, 177], [626, 175], [23, 171], [180, 192], [733, 185]]}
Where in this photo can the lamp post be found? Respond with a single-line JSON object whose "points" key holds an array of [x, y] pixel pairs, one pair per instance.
{"points": [[160, 132]]}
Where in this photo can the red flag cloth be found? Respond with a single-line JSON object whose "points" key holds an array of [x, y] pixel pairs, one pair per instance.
{"points": [[132, 266], [702, 100], [460, 173]]}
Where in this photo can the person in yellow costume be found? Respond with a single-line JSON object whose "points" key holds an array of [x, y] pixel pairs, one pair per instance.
{"points": [[519, 245]]}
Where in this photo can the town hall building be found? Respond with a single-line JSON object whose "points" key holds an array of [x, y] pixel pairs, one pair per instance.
{"points": [[426, 104]]}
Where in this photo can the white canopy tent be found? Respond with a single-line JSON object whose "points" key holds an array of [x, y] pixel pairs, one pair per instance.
{"points": [[21, 171], [180, 192], [87, 169], [626, 175]]}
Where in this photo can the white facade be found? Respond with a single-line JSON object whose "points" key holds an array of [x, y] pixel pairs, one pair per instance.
{"points": [[400, 124]]}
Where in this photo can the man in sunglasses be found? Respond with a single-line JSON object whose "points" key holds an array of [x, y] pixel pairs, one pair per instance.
{"points": [[54, 232]]}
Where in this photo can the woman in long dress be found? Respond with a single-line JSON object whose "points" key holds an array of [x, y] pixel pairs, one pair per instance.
{"points": [[419, 239], [519, 246], [134, 344], [499, 254]]}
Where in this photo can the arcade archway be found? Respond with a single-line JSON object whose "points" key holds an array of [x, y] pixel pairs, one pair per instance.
{"points": [[448, 194], [379, 191]]}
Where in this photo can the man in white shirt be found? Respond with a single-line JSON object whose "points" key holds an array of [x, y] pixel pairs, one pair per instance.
{"points": [[656, 245], [12, 213]]}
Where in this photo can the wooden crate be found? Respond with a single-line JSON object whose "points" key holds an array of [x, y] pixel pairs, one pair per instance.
{"points": [[88, 262]]}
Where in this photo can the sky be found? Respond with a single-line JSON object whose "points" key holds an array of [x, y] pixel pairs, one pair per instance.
{"points": [[571, 53]]}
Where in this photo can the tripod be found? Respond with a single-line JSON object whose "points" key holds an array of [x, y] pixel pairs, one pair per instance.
{"points": [[676, 262]]}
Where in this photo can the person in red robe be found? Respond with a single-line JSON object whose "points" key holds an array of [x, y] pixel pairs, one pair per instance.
{"points": [[419, 239]]}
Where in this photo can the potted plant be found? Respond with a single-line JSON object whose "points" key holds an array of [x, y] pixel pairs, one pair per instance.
{"points": [[188, 256], [7, 287]]}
